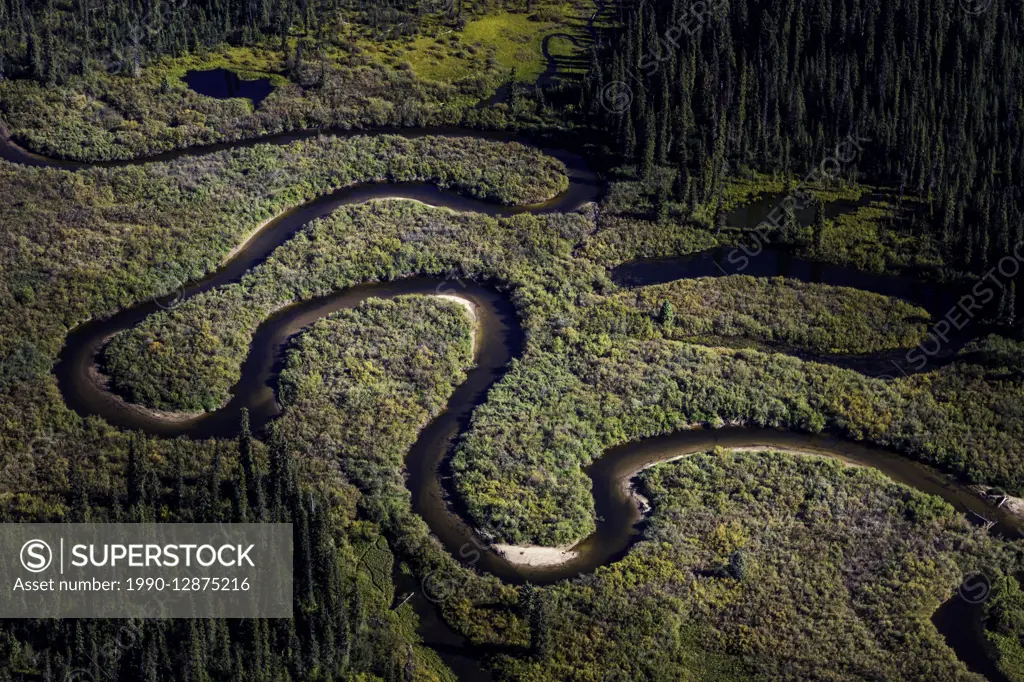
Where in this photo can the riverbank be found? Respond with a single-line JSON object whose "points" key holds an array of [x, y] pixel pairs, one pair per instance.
{"points": [[536, 556], [100, 383]]}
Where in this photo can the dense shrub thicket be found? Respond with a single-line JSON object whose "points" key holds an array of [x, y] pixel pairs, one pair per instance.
{"points": [[406, 353], [588, 386], [1004, 625], [189, 357], [741, 547], [344, 626], [86, 244], [555, 413], [81, 245], [107, 83], [780, 311], [921, 95], [766, 567], [753, 566]]}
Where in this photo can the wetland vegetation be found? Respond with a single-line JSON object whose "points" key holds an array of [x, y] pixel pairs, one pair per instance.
{"points": [[748, 564]]}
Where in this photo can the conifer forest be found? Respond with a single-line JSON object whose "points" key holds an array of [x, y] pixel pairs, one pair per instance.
{"points": [[528, 340]]}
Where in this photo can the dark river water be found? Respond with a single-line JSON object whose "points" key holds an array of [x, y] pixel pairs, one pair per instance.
{"points": [[499, 341], [769, 260]]}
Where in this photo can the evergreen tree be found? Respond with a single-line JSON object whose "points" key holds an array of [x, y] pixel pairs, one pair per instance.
{"points": [[737, 565], [250, 484], [834, 90], [818, 228], [661, 204], [78, 504], [667, 315]]}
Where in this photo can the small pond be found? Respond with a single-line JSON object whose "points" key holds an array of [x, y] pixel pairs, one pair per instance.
{"points": [[757, 210], [224, 84]]}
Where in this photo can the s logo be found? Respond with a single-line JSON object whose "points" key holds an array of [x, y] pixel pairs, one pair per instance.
{"points": [[36, 556]]}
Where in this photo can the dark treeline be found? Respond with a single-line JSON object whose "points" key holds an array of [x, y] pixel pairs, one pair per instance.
{"points": [[929, 90], [332, 635], [48, 40]]}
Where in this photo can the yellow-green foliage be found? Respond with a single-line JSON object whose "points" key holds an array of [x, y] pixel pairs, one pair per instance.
{"points": [[620, 240], [83, 245], [103, 116], [365, 79], [501, 40], [171, 363], [1010, 653], [840, 575], [790, 313], [596, 391], [249, 63], [864, 240], [1004, 626], [738, 191], [377, 561]]}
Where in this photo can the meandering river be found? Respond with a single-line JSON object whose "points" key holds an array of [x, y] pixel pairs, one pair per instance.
{"points": [[499, 339]]}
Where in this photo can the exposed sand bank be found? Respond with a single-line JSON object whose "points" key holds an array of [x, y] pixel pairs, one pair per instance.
{"points": [[102, 382], [534, 555], [471, 310]]}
